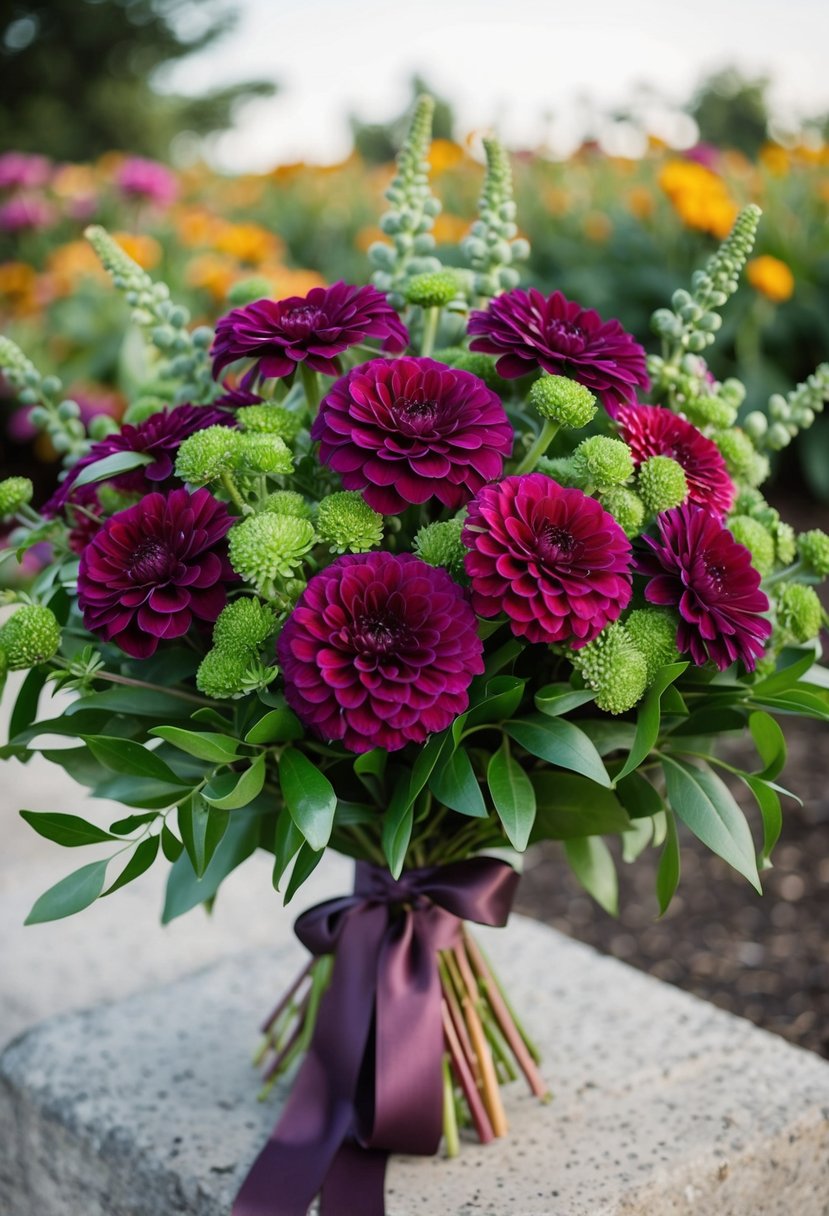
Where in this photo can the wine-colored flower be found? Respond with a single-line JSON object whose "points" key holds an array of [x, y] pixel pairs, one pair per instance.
{"points": [[551, 558], [379, 651], [651, 430], [403, 431], [313, 329], [698, 567], [148, 180], [158, 436], [527, 331], [154, 569]]}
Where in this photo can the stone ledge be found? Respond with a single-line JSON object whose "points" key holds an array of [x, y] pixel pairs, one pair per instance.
{"points": [[664, 1105]]}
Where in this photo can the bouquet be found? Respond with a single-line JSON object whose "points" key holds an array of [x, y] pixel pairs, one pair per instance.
{"points": [[423, 571]]}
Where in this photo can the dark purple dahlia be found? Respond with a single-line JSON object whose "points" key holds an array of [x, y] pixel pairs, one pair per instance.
{"points": [[653, 430], [698, 567], [379, 651], [406, 430], [155, 568], [314, 329], [551, 558], [529, 331], [159, 436]]}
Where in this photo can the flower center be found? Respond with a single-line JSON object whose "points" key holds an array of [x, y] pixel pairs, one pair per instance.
{"points": [[555, 543], [151, 563], [416, 415], [715, 573], [377, 635], [302, 321], [565, 337]]}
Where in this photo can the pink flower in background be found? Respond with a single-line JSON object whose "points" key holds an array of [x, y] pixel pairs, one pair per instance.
{"points": [[551, 558], [24, 212], [380, 651], [148, 180], [23, 171]]}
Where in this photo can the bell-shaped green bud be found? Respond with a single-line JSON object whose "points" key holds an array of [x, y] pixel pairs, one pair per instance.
{"points": [[15, 492], [813, 548], [208, 453], [348, 524], [757, 539], [270, 420], [626, 508], [265, 547], [603, 462], [243, 626], [799, 612], [614, 668], [563, 400], [431, 290], [661, 484], [440, 544], [653, 633], [287, 502], [30, 637]]}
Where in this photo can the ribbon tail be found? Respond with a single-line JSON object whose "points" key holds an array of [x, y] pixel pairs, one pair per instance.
{"points": [[355, 1182]]}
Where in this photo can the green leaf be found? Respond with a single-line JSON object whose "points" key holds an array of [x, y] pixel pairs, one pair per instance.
{"points": [[770, 743], [67, 830], [637, 839], [136, 702], [215, 748], [72, 894], [309, 797], [397, 828], [513, 796], [141, 860], [141, 792], [288, 840], [201, 827], [277, 726], [28, 699], [668, 870], [123, 827], [771, 812], [185, 890], [796, 701], [705, 804], [570, 806], [499, 698], [454, 784], [306, 862], [787, 676], [592, 863], [370, 767], [130, 758], [171, 846], [638, 796], [608, 737], [111, 466], [649, 716], [559, 742], [232, 791], [557, 699]]}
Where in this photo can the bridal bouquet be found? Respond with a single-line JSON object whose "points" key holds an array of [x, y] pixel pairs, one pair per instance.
{"points": [[422, 571]]}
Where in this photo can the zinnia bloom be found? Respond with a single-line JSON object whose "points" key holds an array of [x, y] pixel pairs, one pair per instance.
{"points": [[155, 568], [698, 567], [406, 430], [528, 330], [159, 436], [312, 329], [147, 179], [379, 651], [551, 558], [652, 430]]}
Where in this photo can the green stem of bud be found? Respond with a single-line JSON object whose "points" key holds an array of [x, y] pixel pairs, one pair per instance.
{"points": [[548, 433], [311, 385], [780, 576], [431, 319], [233, 491]]}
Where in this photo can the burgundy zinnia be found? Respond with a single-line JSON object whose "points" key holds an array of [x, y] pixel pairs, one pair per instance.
{"points": [[528, 330], [652, 430], [312, 329], [698, 567], [159, 436], [551, 558], [154, 568], [380, 651], [407, 430]]}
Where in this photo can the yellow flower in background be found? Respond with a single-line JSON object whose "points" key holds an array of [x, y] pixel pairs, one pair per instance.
{"points": [[641, 202], [771, 277], [597, 227], [68, 264], [18, 283], [290, 281], [74, 181], [700, 198], [449, 229], [213, 273], [367, 236], [196, 226], [250, 243], [143, 249], [775, 159], [445, 154]]}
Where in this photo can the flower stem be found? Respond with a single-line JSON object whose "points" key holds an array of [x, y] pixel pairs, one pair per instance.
{"points": [[548, 433], [450, 1122], [431, 318], [311, 385], [233, 491]]}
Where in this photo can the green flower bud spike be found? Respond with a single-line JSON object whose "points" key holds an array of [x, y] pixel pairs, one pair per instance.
{"points": [[601, 462], [243, 626], [626, 508], [30, 637], [653, 633], [813, 549], [348, 524], [799, 612], [614, 668], [757, 539], [15, 493], [440, 544], [661, 484], [266, 547], [493, 248]]}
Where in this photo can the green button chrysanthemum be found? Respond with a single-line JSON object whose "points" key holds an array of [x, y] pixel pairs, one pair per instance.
{"points": [[265, 547]]}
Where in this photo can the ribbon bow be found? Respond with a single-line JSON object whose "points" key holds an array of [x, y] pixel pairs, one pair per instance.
{"points": [[371, 1081]]}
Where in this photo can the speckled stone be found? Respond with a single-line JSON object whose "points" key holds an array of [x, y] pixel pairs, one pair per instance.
{"points": [[664, 1106]]}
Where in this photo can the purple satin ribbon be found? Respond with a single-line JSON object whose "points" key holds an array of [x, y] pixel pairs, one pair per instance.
{"points": [[371, 1083]]}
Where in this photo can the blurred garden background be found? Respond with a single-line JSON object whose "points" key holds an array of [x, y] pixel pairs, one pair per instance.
{"points": [[228, 143]]}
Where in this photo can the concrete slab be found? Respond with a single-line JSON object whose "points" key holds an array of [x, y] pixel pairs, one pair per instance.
{"points": [[664, 1105]]}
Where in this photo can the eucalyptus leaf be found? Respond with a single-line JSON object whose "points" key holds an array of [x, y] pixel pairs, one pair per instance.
{"points": [[72, 894], [67, 830]]}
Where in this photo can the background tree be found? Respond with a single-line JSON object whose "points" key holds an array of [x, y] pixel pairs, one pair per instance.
{"points": [[732, 111]]}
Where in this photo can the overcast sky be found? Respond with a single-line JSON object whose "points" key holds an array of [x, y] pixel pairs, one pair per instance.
{"points": [[505, 63]]}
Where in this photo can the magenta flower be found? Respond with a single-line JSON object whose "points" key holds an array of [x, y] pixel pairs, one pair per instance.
{"points": [[155, 569], [312, 329], [25, 211], [652, 430], [23, 171], [406, 430], [528, 331], [158, 436], [379, 651], [148, 180], [550, 558], [698, 567]]}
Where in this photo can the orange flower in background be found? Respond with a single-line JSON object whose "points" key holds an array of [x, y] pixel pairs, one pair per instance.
{"points": [[290, 281], [641, 202], [250, 243], [597, 227], [74, 181], [445, 154], [18, 281], [367, 236], [771, 277], [145, 250], [699, 196], [775, 159], [68, 264], [213, 273], [449, 229]]}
